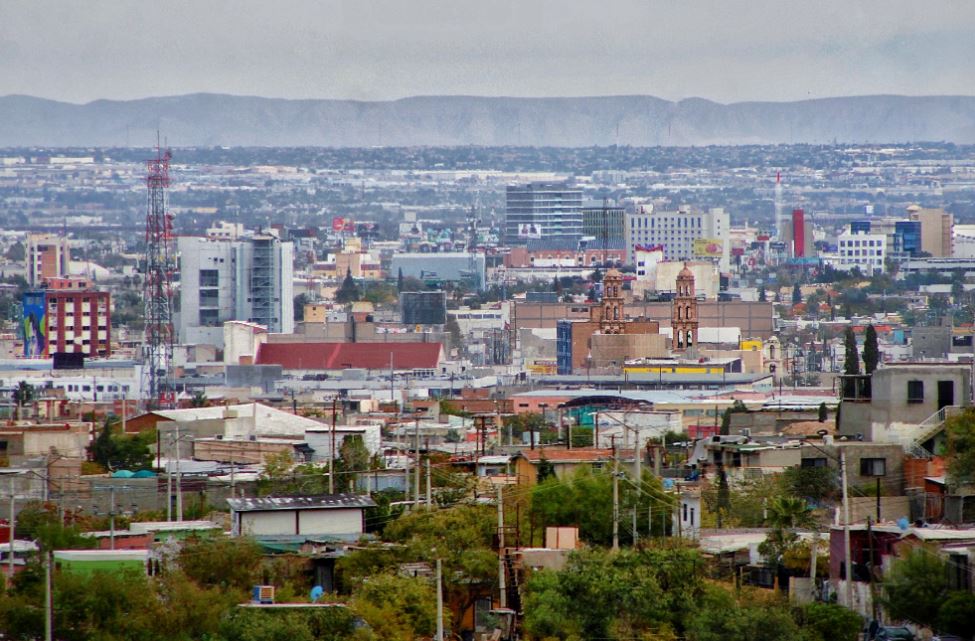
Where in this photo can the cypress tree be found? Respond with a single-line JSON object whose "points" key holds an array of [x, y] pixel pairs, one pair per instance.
{"points": [[851, 359], [871, 352]]}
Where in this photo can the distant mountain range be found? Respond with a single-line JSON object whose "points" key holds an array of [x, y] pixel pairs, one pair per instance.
{"points": [[214, 119]]}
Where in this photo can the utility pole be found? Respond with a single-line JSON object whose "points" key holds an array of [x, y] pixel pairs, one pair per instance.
{"points": [[846, 533], [111, 521], [501, 582], [179, 482], [331, 460], [439, 601], [169, 486], [636, 533], [813, 553], [616, 499], [48, 600], [416, 454], [13, 524], [429, 487]]}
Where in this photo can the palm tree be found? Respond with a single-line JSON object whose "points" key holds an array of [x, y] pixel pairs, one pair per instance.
{"points": [[789, 513], [23, 395]]}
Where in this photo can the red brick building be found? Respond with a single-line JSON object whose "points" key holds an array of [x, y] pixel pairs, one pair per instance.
{"points": [[79, 322]]}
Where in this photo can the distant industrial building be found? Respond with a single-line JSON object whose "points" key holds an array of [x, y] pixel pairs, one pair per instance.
{"points": [[247, 279], [442, 267], [543, 210], [423, 308]]}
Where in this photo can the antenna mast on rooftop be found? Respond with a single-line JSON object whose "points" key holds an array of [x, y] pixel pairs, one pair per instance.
{"points": [[157, 287]]}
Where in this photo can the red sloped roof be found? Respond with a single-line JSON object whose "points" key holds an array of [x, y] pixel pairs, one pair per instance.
{"points": [[350, 355]]}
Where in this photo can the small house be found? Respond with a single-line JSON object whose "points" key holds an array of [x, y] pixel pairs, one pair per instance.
{"points": [[323, 515]]}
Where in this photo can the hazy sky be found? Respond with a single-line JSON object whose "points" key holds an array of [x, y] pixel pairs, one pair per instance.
{"points": [[725, 50]]}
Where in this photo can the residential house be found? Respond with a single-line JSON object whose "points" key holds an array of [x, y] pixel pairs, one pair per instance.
{"points": [[564, 461], [325, 515]]}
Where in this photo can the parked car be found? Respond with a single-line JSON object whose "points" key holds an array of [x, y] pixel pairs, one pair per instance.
{"points": [[894, 633]]}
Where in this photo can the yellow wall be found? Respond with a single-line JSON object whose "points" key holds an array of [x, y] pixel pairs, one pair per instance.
{"points": [[676, 369]]}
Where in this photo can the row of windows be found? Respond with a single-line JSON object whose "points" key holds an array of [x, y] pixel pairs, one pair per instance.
{"points": [[857, 243], [857, 252]]}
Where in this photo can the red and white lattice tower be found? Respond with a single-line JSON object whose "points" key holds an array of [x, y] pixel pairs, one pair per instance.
{"points": [[157, 288]]}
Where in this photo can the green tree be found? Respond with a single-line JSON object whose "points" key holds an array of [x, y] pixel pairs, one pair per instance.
{"points": [[823, 412], [762, 295], [957, 614], [397, 608], [116, 451], [851, 359], [785, 515], [399, 280], [871, 351], [23, 395], [718, 617], [960, 432], [915, 587], [627, 594], [349, 291], [796, 294], [813, 483], [462, 537], [452, 328], [829, 622], [585, 499], [736, 408], [221, 562]]}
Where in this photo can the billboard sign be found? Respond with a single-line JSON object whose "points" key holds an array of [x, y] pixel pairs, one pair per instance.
{"points": [[708, 247], [529, 230], [34, 324], [338, 224]]}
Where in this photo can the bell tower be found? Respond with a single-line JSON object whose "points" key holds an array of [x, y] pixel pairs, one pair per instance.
{"points": [[612, 321], [683, 317]]}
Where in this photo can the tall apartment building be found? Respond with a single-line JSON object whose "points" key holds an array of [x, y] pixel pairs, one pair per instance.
{"points": [[48, 256], [543, 210], [248, 279], [684, 234], [71, 322], [936, 230], [599, 221], [864, 251]]}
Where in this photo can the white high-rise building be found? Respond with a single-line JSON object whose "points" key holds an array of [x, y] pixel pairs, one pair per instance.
{"points": [[684, 234], [248, 279], [861, 250]]}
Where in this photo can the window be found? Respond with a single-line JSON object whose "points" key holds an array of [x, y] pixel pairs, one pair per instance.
{"points": [[814, 462], [873, 467], [209, 278], [915, 391]]}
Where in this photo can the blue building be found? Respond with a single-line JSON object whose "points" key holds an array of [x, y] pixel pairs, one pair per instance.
{"points": [[563, 346], [860, 227], [907, 237]]}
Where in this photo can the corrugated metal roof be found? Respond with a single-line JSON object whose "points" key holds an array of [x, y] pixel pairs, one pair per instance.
{"points": [[320, 502]]}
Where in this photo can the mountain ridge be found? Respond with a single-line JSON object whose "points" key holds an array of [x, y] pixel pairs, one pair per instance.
{"points": [[213, 119]]}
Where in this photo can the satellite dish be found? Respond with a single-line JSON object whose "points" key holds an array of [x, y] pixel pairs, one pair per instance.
{"points": [[317, 593], [903, 524]]}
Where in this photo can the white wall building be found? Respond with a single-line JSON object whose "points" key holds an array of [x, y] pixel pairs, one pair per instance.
{"points": [[677, 232], [864, 251], [248, 279]]}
